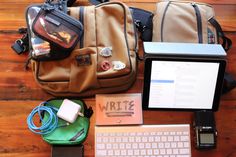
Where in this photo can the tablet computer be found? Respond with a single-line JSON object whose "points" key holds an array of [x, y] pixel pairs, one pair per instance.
{"points": [[179, 83]]}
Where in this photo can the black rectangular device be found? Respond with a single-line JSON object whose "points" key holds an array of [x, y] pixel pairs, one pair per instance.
{"points": [[183, 82], [205, 130], [67, 151]]}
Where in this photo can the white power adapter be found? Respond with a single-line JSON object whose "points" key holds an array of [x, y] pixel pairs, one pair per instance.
{"points": [[69, 111]]}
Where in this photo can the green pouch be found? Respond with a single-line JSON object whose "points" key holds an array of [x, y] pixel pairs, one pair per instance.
{"points": [[71, 134]]}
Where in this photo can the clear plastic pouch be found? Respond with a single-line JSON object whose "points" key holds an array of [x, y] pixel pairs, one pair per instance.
{"points": [[58, 28], [39, 46]]}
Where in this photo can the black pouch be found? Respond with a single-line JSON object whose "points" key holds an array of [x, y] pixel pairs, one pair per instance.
{"points": [[143, 22], [59, 29]]}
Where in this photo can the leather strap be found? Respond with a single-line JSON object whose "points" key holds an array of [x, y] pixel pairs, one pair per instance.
{"points": [[227, 43]]}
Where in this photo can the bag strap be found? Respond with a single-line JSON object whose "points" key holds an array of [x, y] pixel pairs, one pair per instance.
{"points": [[96, 2], [229, 81], [70, 2], [227, 43]]}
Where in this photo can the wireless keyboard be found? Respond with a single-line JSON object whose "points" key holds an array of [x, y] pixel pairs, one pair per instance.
{"points": [[143, 140]]}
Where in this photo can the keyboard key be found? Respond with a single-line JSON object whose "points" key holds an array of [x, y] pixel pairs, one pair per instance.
{"points": [[167, 145], [128, 145], [147, 145], [143, 151], [151, 139], [170, 138], [180, 144], [160, 145], [168, 151], [154, 145], [123, 152], [122, 146], [162, 151], [101, 146], [144, 139], [156, 152], [163, 138], [130, 152], [186, 144], [101, 152], [134, 145], [131, 139], [114, 146], [138, 139], [136, 152], [183, 151], [173, 145], [117, 152], [157, 139], [175, 151], [110, 152], [108, 146], [176, 138], [141, 145], [184, 138], [149, 152]]}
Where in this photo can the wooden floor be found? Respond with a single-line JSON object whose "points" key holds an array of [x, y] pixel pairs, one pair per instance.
{"points": [[19, 93]]}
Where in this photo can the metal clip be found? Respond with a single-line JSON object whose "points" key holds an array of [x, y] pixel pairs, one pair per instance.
{"points": [[19, 47], [139, 25]]}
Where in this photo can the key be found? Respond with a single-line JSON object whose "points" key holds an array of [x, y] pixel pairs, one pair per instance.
{"points": [[110, 152], [184, 151], [143, 151], [117, 152], [123, 152], [136, 152], [130, 152], [100, 146], [101, 152], [149, 152]]}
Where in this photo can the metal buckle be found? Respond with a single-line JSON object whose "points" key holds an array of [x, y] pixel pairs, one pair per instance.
{"points": [[139, 25]]}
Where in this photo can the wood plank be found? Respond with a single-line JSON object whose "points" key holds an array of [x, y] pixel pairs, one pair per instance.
{"points": [[12, 20]]}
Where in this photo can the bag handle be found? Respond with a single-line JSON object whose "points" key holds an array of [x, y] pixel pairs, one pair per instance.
{"points": [[229, 81], [227, 43]]}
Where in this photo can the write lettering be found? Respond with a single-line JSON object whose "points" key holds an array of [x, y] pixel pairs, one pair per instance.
{"points": [[125, 105]]}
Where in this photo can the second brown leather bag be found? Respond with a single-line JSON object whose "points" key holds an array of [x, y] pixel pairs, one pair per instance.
{"points": [[187, 22]]}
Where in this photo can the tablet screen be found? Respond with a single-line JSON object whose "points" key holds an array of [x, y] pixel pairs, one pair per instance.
{"points": [[182, 84]]}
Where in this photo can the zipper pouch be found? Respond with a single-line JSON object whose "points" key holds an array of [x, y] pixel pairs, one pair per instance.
{"points": [[72, 134], [59, 29]]}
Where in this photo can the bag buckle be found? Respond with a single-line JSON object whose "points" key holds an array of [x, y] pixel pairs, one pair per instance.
{"points": [[21, 45], [139, 25]]}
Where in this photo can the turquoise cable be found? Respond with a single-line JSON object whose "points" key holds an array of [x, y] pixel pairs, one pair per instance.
{"points": [[47, 126]]}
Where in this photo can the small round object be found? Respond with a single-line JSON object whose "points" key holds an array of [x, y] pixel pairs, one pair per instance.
{"points": [[105, 65], [118, 65], [106, 52]]}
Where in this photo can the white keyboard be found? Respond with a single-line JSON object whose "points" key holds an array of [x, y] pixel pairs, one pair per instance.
{"points": [[143, 141]]}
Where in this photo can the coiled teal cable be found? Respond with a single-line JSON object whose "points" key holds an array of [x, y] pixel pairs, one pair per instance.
{"points": [[47, 126]]}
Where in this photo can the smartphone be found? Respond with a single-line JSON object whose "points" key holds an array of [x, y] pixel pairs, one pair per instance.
{"points": [[68, 151]]}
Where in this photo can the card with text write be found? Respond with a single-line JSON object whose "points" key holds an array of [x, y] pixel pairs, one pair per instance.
{"points": [[118, 109]]}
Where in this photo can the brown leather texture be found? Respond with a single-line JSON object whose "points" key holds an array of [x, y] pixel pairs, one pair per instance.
{"points": [[108, 25], [176, 21]]}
